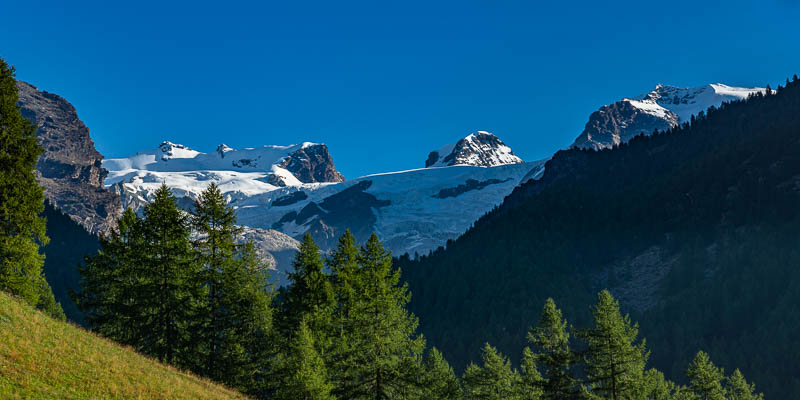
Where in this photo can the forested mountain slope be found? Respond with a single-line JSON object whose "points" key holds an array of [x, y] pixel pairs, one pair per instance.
{"points": [[695, 230]]}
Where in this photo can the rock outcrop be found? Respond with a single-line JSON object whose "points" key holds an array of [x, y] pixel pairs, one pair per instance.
{"points": [[312, 163], [70, 167]]}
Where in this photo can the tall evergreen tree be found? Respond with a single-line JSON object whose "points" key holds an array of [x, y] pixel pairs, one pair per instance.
{"points": [[22, 229], [310, 290], [552, 353], [141, 288], [167, 287], [655, 387], [235, 307], [614, 362], [738, 388], [108, 283], [495, 380], [346, 277], [439, 381], [531, 384], [705, 379], [345, 271], [383, 358], [306, 377]]}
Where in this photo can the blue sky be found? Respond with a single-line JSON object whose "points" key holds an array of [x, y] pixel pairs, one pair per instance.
{"points": [[381, 82]]}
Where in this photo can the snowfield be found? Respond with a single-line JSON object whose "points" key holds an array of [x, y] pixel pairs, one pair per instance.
{"points": [[413, 211]]}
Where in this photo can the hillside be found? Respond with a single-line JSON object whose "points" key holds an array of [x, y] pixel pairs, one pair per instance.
{"points": [[693, 229], [42, 358]]}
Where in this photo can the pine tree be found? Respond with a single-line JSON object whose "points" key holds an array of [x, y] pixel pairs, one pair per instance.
{"points": [[614, 362], [306, 377], [141, 288], [705, 379], [383, 357], [439, 381], [738, 388], [22, 230], [109, 283], [655, 387], [531, 383], [345, 270], [553, 355], [496, 380], [235, 314], [310, 290], [167, 287], [346, 278]]}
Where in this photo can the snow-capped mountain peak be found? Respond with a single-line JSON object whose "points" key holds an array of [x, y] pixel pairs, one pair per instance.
{"points": [[664, 107], [171, 150], [480, 149], [266, 167], [222, 149]]}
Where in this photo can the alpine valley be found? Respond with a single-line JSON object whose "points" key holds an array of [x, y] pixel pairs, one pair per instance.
{"points": [[282, 192], [674, 200]]}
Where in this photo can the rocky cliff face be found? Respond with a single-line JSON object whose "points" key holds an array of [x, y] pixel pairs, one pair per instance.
{"points": [[618, 122], [70, 167], [312, 164], [661, 108]]}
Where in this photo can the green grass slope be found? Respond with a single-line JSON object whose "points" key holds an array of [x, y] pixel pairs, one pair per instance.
{"points": [[41, 358]]}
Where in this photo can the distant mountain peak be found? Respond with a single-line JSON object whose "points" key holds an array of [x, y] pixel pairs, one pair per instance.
{"points": [[481, 149], [222, 149], [290, 165], [663, 107]]}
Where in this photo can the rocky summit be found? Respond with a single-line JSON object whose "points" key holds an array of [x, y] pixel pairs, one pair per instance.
{"points": [[70, 168], [479, 149], [662, 108]]}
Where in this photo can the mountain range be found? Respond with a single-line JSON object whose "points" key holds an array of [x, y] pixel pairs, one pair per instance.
{"points": [[296, 189], [282, 192]]}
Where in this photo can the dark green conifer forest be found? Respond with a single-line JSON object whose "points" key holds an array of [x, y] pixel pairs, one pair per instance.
{"points": [[694, 230]]}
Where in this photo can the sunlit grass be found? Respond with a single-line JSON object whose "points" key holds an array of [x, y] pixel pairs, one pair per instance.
{"points": [[41, 358]]}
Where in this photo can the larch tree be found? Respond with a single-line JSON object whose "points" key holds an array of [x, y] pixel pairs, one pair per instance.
{"points": [[531, 383], [705, 379], [167, 287], [22, 229], [306, 376], [234, 311], [141, 288], [655, 387], [738, 388], [614, 361], [384, 356], [495, 380], [310, 293], [553, 355], [439, 381], [108, 293]]}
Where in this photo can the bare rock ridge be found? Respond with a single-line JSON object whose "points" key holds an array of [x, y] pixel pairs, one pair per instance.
{"points": [[70, 167]]}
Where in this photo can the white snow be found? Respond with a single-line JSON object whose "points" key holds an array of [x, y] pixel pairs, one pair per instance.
{"points": [[690, 101], [170, 157], [415, 221], [473, 151]]}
